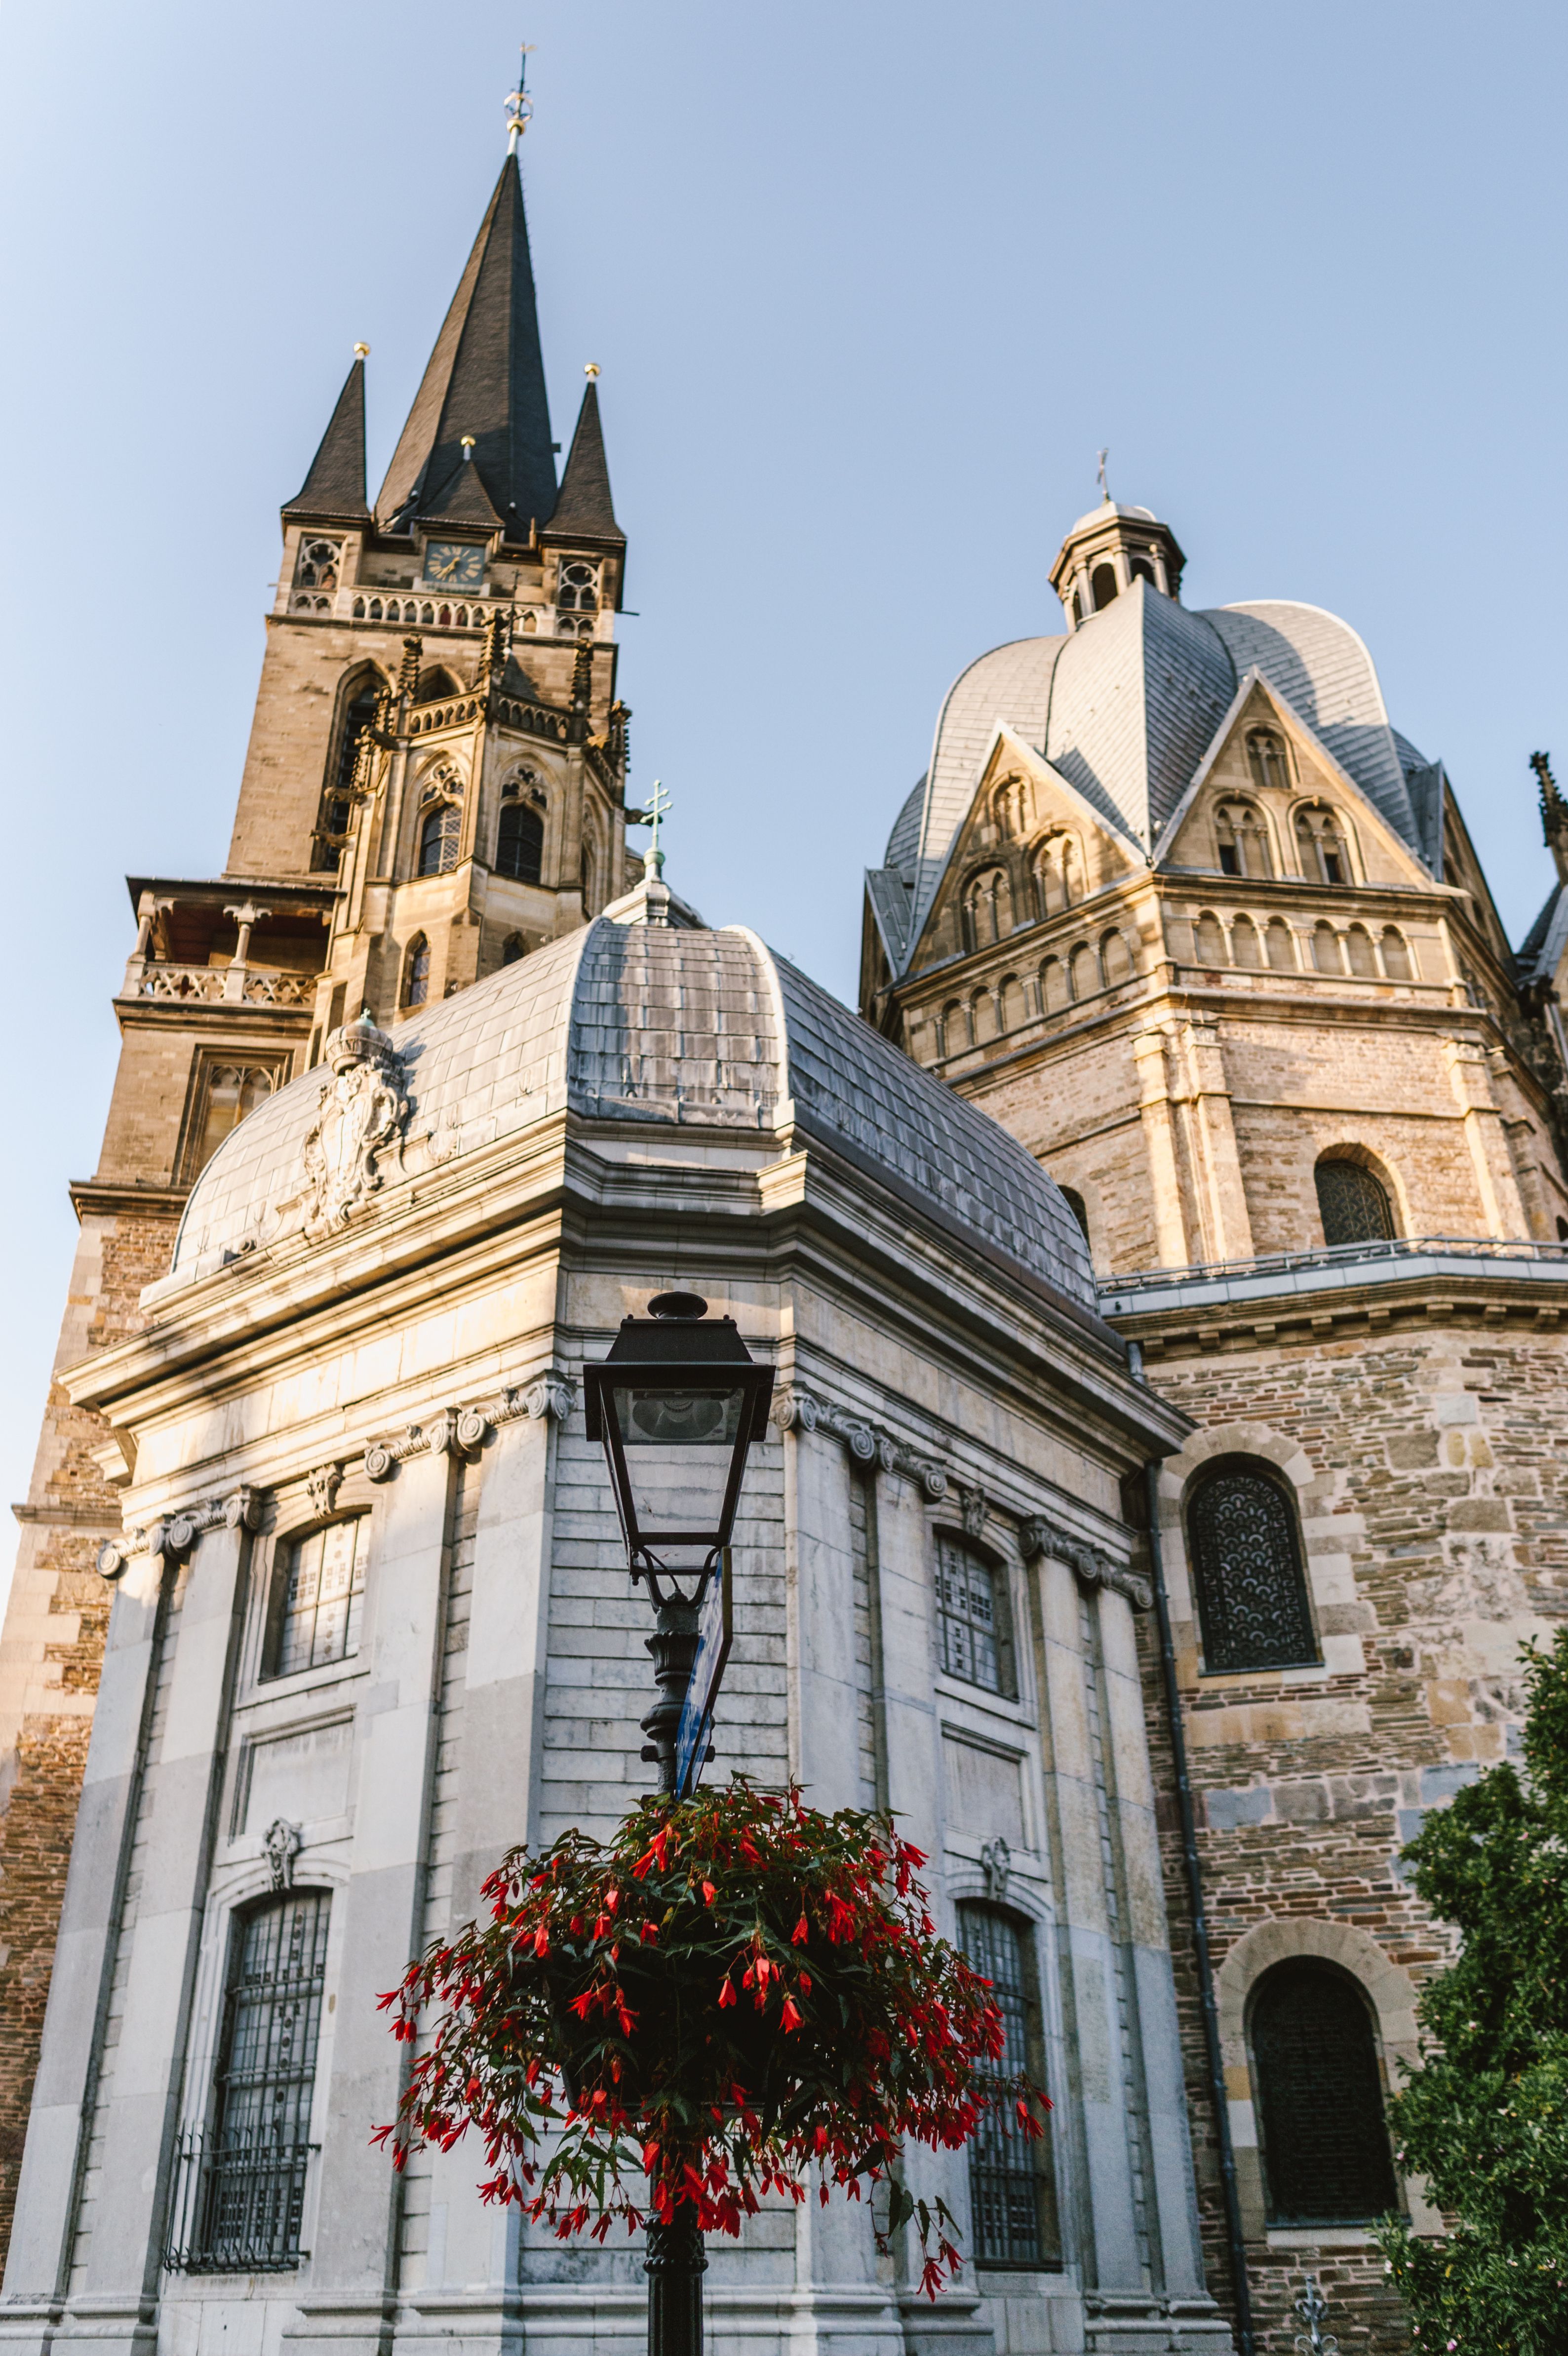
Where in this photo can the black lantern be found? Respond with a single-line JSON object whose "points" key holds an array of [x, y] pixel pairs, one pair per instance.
{"points": [[675, 1407]]}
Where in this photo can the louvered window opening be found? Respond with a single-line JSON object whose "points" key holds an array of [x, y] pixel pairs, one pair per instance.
{"points": [[1353, 1206], [1251, 1596], [240, 2188], [1326, 2143], [322, 1600], [1010, 2194], [973, 1639]]}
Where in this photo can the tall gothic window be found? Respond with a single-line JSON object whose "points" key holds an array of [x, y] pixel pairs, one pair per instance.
{"points": [[438, 837], [520, 841], [1353, 1206], [1320, 2099], [971, 1610], [1247, 1569], [1010, 2187], [318, 1598], [336, 803], [416, 972], [222, 1094], [243, 2200]]}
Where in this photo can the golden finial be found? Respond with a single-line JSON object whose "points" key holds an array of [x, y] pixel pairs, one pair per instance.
{"points": [[590, 368], [520, 106], [468, 442], [361, 351]]}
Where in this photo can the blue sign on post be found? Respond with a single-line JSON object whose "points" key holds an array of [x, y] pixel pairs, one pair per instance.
{"points": [[716, 1628]]}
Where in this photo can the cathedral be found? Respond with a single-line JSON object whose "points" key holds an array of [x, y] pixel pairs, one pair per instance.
{"points": [[1161, 1273]]}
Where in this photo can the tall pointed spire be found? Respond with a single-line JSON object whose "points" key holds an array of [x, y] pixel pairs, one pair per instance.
{"points": [[485, 378], [334, 490], [584, 510]]}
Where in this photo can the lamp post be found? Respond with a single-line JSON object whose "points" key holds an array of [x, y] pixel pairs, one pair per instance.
{"points": [[676, 1405]]}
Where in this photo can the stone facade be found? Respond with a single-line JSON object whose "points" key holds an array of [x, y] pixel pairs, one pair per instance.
{"points": [[1149, 971]]}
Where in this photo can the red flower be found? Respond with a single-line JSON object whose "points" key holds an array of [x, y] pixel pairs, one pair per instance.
{"points": [[789, 2017], [801, 1932], [727, 1992]]}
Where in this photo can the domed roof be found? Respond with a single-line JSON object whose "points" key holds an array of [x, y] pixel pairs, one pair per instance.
{"points": [[651, 1023]]}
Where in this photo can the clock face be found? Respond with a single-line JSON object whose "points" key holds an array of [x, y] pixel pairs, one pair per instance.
{"points": [[455, 563]]}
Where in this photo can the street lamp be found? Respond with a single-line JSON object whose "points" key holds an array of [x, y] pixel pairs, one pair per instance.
{"points": [[675, 1405]]}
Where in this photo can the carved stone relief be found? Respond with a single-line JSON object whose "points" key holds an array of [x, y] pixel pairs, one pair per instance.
{"points": [[362, 1112]]}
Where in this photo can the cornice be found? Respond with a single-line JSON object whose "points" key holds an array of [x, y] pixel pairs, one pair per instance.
{"points": [[90, 1198]]}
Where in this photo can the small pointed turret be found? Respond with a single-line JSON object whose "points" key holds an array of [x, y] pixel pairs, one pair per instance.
{"points": [[1553, 812], [334, 489], [484, 378], [584, 512]]}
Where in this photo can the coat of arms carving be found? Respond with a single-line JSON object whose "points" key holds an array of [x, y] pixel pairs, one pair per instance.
{"points": [[362, 1112]]}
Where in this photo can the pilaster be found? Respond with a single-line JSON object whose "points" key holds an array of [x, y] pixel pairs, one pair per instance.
{"points": [[1159, 1143]]}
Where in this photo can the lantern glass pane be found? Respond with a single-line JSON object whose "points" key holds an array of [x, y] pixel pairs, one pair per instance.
{"points": [[679, 1446]]}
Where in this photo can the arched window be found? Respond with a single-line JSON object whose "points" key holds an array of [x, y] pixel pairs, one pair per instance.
{"points": [[1012, 1003], [1266, 759], [1208, 940], [1320, 2098], [520, 841], [1320, 838], [416, 972], [223, 1094], [982, 1016], [1352, 1203], [1396, 955], [438, 837], [1246, 1561], [1053, 985], [241, 2199], [336, 804], [1363, 959], [513, 947], [1084, 971], [987, 909], [317, 1598], [578, 588], [1075, 1204], [952, 1031], [1242, 841], [1102, 585], [318, 565], [1115, 960], [1325, 953], [1013, 2206], [971, 1615], [1245, 947], [590, 877], [1142, 569], [1281, 948], [434, 683], [1057, 874]]}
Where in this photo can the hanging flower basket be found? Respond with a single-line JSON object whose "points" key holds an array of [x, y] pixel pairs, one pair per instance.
{"points": [[733, 1994]]}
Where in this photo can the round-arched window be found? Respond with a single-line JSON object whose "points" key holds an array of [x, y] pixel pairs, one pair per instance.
{"points": [[1247, 1570], [1320, 2098], [1353, 1206]]}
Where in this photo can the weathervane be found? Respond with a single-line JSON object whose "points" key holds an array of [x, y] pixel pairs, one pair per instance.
{"points": [[1104, 486], [520, 106], [653, 816]]}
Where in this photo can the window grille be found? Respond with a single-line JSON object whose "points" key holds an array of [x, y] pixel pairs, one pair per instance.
{"points": [[240, 2186], [439, 839], [972, 1616], [520, 842], [578, 588], [322, 1598], [1010, 2190], [1252, 1596], [1326, 2145], [1353, 1206]]}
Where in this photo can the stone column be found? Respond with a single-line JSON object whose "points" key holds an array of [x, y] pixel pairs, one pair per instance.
{"points": [[136, 2114], [1159, 1142], [40, 2237], [1215, 1136], [352, 2257]]}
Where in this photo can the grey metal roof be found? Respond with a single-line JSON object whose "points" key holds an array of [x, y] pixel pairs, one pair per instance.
{"points": [[1139, 691], [334, 487], [1540, 951], [585, 507], [649, 1023], [1011, 683]]}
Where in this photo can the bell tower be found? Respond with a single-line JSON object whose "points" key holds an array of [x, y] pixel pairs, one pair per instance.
{"points": [[1106, 551]]}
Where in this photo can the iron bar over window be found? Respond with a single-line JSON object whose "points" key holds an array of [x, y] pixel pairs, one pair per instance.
{"points": [[1013, 2218], [972, 1616], [1352, 1203], [1326, 2146], [240, 2195], [1246, 1560]]}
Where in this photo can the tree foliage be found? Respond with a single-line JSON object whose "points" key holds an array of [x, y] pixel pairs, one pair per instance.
{"points": [[1485, 2116], [732, 1993]]}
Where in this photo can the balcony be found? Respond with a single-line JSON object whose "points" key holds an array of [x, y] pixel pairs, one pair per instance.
{"points": [[216, 985], [1332, 1268]]}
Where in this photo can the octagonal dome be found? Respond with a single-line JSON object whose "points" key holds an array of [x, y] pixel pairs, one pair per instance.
{"points": [[656, 1023]]}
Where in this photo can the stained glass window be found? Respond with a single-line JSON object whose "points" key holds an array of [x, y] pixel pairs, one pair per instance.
{"points": [[1353, 1206], [1246, 1560], [973, 1613], [1009, 2180], [1320, 2100], [416, 974], [322, 1598]]}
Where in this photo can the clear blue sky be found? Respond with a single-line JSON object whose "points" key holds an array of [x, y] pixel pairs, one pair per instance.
{"points": [[869, 283]]}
